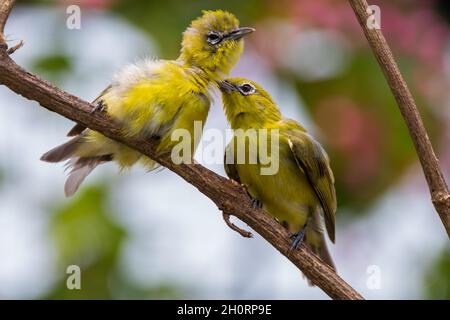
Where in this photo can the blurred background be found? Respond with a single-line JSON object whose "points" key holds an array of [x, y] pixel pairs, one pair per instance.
{"points": [[152, 236]]}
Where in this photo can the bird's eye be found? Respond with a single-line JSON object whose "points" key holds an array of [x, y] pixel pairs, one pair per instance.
{"points": [[247, 88], [213, 38]]}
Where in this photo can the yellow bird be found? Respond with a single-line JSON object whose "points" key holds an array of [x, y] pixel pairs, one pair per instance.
{"points": [[300, 193], [153, 98]]}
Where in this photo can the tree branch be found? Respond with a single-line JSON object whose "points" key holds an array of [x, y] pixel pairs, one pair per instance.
{"points": [[5, 10], [430, 164], [229, 197]]}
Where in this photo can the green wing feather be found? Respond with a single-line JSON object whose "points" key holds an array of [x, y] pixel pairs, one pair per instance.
{"points": [[314, 162]]}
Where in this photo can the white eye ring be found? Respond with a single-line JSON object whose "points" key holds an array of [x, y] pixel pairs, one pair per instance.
{"points": [[247, 88], [213, 37]]}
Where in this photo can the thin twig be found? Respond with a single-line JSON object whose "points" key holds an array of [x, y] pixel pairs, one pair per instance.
{"points": [[225, 194], [242, 232], [430, 164], [13, 49]]}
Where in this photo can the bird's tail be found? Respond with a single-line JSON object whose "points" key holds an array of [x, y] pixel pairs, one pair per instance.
{"points": [[63, 152], [323, 253], [80, 167], [315, 240]]}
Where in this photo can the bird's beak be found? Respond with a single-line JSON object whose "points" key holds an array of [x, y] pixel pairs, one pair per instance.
{"points": [[226, 86], [239, 33]]}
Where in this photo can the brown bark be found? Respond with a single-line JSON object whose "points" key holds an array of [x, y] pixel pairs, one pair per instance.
{"points": [[5, 9]]}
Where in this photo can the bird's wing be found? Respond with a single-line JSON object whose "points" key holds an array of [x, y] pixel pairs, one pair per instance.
{"points": [[314, 162], [230, 168], [79, 128]]}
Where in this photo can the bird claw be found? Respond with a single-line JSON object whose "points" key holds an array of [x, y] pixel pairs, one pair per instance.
{"points": [[298, 239], [99, 107], [256, 203], [13, 49]]}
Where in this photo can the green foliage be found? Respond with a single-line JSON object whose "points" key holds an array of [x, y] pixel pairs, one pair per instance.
{"points": [[85, 235], [83, 229], [437, 278], [166, 20], [159, 291], [53, 66]]}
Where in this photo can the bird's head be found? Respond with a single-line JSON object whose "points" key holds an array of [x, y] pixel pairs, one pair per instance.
{"points": [[213, 42], [247, 104]]}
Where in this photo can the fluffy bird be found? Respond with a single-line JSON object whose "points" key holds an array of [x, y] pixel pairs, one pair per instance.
{"points": [[300, 194], [153, 98]]}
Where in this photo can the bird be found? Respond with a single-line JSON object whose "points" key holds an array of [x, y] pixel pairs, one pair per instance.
{"points": [[300, 192], [153, 98]]}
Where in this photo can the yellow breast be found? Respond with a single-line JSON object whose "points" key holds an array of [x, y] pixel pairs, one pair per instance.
{"points": [[287, 195]]}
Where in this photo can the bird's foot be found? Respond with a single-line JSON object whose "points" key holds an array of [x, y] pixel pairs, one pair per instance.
{"points": [[298, 239], [256, 203], [99, 107]]}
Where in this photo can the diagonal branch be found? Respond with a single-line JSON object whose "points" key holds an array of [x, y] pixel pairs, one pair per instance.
{"points": [[430, 164], [229, 197]]}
